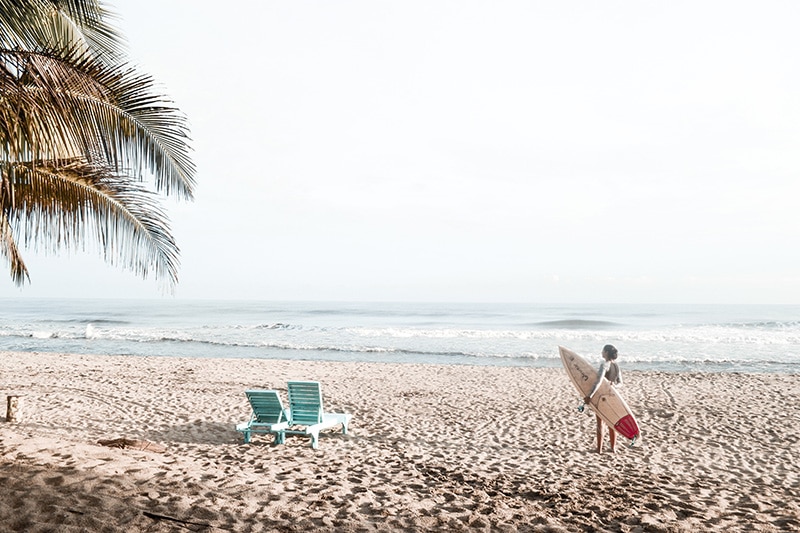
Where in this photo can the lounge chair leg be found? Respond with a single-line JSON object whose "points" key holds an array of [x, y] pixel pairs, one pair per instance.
{"points": [[315, 440], [246, 437]]}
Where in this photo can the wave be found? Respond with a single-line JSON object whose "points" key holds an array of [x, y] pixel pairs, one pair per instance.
{"points": [[307, 347], [786, 335], [671, 350], [674, 358], [277, 325], [770, 324], [576, 324], [84, 321], [756, 344]]}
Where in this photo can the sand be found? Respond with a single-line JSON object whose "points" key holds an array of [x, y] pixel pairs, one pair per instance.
{"points": [[430, 448]]}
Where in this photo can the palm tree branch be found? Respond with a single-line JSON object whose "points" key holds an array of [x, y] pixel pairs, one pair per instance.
{"points": [[8, 247], [36, 24], [65, 202], [126, 121], [89, 18]]}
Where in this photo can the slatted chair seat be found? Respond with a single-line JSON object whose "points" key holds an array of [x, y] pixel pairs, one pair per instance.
{"points": [[269, 415], [306, 414]]}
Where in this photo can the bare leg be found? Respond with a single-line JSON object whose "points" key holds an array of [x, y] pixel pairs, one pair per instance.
{"points": [[612, 436], [599, 435]]}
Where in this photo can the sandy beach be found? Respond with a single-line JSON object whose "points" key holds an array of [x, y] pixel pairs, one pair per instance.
{"points": [[430, 448]]}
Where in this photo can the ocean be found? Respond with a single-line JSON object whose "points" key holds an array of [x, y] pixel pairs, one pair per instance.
{"points": [[673, 338]]}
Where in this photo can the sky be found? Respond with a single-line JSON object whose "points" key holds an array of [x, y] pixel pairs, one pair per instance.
{"points": [[513, 151]]}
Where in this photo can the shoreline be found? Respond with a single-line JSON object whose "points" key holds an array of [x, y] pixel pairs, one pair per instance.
{"points": [[431, 448], [554, 363]]}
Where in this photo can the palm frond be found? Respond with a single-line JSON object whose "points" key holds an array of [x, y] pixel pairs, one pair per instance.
{"points": [[91, 18], [121, 117], [85, 141], [62, 204], [42, 24], [8, 246]]}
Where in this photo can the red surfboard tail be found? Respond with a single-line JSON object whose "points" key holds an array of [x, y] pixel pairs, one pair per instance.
{"points": [[627, 427]]}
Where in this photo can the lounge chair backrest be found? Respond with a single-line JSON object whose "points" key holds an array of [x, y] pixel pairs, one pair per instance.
{"points": [[305, 402], [267, 406]]}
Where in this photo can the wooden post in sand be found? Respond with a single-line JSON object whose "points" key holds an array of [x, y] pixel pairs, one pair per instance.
{"points": [[13, 408]]}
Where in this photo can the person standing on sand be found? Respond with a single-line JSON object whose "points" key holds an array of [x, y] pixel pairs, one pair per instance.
{"points": [[610, 370]]}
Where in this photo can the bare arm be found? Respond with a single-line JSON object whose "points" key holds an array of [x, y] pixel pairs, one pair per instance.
{"points": [[600, 373]]}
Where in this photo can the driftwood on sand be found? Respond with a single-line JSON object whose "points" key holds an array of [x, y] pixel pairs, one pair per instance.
{"points": [[133, 444]]}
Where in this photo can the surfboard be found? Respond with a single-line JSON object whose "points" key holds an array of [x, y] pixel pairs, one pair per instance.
{"points": [[607, 402]]}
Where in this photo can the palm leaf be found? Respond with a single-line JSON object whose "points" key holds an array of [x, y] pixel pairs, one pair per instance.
{"points": [[8, 247], [81, 132], [41, 24], [68, 203], [121, 118]]}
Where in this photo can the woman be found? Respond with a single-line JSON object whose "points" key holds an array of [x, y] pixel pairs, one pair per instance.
{"points": [[610, 370]]}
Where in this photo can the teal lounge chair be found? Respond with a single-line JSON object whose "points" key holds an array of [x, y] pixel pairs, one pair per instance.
{"points": [[305, 411], [269, 416]]}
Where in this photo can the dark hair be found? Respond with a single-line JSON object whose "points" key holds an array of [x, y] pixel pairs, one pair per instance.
{"points": [[611, 351]]}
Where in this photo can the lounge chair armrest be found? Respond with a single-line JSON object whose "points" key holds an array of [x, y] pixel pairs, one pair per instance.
{"points": [[257, 426], [332, 419], [280, 426]]}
